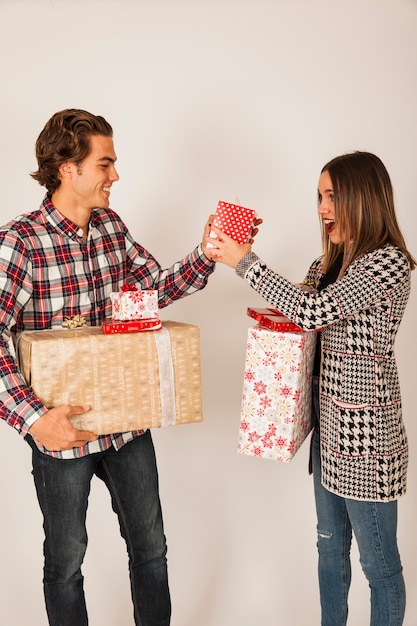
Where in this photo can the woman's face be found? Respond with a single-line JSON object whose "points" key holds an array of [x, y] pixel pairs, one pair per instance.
{"points": [[326, 208]]}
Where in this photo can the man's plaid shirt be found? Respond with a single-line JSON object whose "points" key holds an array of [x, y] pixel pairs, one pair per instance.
{"points": [[49, 272]]}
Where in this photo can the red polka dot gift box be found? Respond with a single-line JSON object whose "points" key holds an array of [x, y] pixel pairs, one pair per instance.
{"points": [[234, 220]]}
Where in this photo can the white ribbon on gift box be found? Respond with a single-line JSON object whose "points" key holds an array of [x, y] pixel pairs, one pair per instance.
{"points": [[166, 377]]}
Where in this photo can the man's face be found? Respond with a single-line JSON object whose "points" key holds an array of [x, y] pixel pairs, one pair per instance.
{"points": [[93, 178]]}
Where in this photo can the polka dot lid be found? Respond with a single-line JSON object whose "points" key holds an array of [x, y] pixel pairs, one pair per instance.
{"points": [[234, 220]]}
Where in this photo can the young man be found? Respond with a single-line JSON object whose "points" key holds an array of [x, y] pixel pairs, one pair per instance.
{"points": [[61, 260]]}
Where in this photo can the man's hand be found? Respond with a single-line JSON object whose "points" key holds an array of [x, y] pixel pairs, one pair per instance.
{"points": [[206, 235], [54, 430]]}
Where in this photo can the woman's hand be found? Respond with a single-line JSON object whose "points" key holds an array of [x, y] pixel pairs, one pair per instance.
{"points": [[226, 250], [231, 251], [255, 230]]}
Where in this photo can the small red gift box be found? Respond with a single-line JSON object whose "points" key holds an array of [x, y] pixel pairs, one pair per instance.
{"points": [[111, 326], [273, 319], [234, 220]]}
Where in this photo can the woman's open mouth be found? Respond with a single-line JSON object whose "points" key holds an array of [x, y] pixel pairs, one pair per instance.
{"points": [[330, 226]]}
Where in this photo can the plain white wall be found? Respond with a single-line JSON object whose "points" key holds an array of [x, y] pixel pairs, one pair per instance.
{"points": [[208, 100]]}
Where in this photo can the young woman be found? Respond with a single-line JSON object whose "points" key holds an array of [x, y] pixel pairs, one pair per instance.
{"points": [[359, 452]]}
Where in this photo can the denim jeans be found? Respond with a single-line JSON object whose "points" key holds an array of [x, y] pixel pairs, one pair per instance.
{"points": [[63, 487], [374, 525]]}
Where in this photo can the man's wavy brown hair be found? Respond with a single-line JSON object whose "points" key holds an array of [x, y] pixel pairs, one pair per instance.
{"points": [[66, 137]]}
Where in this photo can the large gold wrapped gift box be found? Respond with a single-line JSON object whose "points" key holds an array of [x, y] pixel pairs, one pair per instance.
{"points": [[130, 380]]}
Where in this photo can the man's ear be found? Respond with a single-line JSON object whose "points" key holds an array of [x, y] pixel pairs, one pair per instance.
{"points": [[66, 170]]}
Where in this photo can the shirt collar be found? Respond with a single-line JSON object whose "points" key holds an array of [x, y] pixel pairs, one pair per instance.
{"points": [[59, 221]]}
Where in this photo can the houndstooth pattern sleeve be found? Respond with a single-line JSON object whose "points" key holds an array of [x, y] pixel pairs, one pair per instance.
{"points": [[368, 281]]}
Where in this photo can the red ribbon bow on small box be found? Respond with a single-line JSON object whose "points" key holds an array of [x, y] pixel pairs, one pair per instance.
{"points": [[128, 287]]}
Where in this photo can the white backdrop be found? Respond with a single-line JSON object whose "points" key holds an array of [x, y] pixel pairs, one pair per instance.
{"points": [[210, 100]]}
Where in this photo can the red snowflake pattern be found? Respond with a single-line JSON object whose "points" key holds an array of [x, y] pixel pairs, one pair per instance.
{"points": [[265, 402], [259, 387], [272, 429], [286, 391], [136, 296], [267, 442], [281, 442]]}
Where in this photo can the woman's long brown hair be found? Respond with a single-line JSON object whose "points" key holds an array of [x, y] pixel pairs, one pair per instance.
{"points": [[364, 209]]}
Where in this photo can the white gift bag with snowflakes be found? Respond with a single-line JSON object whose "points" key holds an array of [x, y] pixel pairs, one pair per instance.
{"points": [[276, 402]]}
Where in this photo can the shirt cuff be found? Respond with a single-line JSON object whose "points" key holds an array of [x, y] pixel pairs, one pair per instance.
{"points": [[246, 263], [209, 263]]}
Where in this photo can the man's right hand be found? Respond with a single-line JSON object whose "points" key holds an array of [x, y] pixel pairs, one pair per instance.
{"points": [[54, 430]]}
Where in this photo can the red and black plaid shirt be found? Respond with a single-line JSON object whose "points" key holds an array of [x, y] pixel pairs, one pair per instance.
{"points": [[49, 272]]}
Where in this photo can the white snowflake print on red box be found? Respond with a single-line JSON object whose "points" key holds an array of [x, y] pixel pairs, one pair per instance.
{"points": [[276, 401], [234, 220]]}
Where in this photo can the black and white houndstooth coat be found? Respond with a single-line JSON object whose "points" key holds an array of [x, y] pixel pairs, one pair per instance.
{"points": [[363, 440]]}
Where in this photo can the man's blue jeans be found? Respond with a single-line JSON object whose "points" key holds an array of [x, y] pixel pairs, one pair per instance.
{"points": [[374, 525], [63, 487]]}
